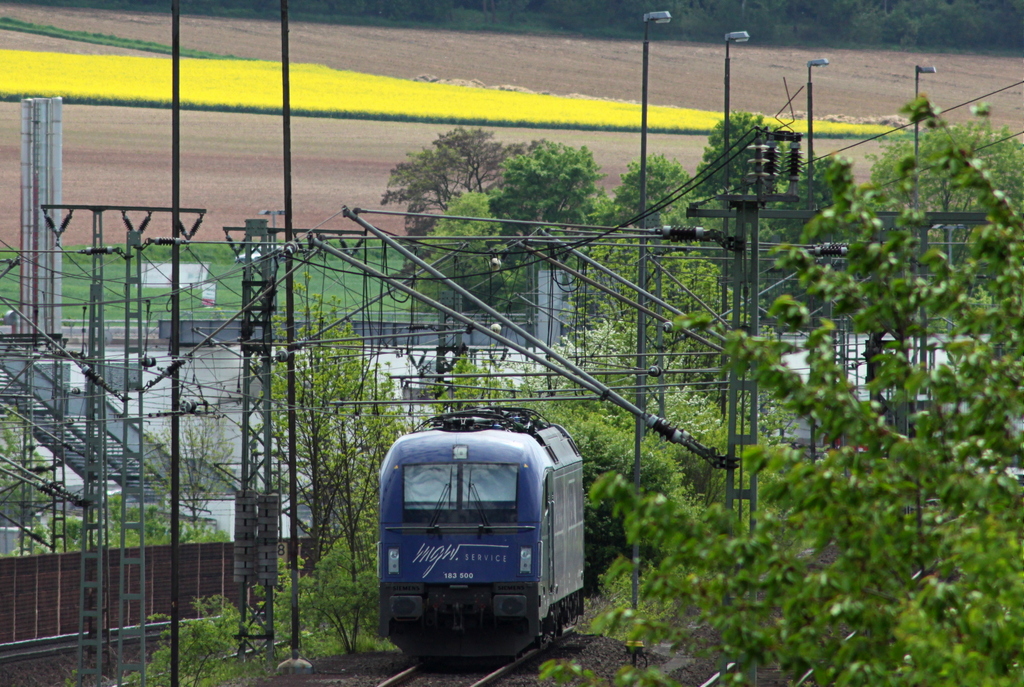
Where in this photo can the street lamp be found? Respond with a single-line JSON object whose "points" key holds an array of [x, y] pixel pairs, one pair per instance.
{"points": [[641, 320], [734, 37], [657, 18], [274, 214], [820, 62], [918, 71]]}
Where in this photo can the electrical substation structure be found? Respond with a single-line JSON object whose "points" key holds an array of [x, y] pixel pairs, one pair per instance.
{"points": [[257, 504], [113, 444]]}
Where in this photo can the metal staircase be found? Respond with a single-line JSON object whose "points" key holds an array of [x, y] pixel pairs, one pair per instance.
{"points": [[40, 387]]}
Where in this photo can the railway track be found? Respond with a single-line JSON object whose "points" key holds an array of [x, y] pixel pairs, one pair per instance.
{"points": [[419, 671], [34, 649]]}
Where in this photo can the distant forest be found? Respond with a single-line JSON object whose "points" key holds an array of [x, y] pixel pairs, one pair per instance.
{"points": [[945, 25]]}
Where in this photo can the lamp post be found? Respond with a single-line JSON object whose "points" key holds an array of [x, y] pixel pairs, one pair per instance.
{"points": [[274, 214], [734, 37], [821, 62], [657, 18], [918, 71], [641, 319], [922, 346]]}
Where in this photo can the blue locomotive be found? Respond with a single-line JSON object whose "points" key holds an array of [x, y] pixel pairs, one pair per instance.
{"points": [[481, 534]]}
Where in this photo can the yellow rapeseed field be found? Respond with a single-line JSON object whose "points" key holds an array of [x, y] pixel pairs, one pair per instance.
{"points": [[255, 86]]}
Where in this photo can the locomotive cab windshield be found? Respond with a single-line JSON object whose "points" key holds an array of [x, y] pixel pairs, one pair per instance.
{"points": [[436, 494]]}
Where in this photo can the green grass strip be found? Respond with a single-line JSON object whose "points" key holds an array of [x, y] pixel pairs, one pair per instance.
{"points": [[8, 24], [380, 117]]}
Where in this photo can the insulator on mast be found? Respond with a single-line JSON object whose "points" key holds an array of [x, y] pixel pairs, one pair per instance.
{"points": [[771, 160], [683, 233], [795, 163], [759, 149], [829, 250]]}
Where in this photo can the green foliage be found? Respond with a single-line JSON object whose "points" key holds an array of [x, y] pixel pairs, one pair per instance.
{"points": [[552, 183], [999, 152], [157, 526], [339, 453], [339, 449], [341, 596], [664, 178], [712, 171], [204, 449], [687, 282], [481, 387], [895, 559], [712, 168], [204, 644], [605, 438], [995, 150], [17, 452], [472, 264]]}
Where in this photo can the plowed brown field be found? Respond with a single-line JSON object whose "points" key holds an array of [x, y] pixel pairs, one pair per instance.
{"points": [[231, 163]]}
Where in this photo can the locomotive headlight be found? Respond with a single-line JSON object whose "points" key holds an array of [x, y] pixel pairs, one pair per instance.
{"points": [[393, 560], [525, 560]]}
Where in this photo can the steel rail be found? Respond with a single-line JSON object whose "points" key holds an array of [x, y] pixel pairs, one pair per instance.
{"points": [[506, 669], [402, 677], [410, 673]]}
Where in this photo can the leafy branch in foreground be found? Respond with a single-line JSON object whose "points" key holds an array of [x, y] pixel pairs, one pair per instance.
{"points": [[896, 558]]}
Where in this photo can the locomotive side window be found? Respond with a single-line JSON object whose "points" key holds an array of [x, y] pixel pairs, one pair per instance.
{"points": [[467, 493]]}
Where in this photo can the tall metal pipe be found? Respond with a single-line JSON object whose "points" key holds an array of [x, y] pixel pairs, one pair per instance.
{"points": [[55, 132], [641, 318], [41, 177]]}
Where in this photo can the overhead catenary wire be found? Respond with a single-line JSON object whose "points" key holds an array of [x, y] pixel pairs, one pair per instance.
{"points": [[631, 303], [569, 370], [908, 124]]}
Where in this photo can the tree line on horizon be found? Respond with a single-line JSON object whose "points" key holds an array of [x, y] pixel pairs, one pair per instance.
{"points": [[975, 25]]}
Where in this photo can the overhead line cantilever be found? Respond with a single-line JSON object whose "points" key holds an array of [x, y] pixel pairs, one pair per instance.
{"points": [[568, 369]]}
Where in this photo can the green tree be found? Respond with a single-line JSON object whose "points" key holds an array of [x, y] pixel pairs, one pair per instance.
{"points": [[476, 265], [896, 558], [1000, 152], [19, 500], [340, 450], [459, 161], [342, 595], [687, 280], [711, 169], [205, 450], [204, 645], [606, 441], [664, 178], [552, 183]]}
